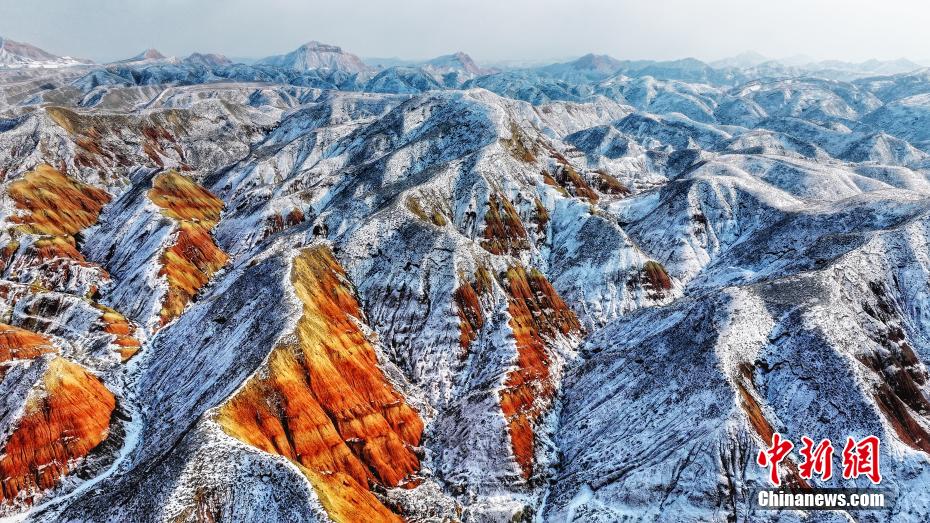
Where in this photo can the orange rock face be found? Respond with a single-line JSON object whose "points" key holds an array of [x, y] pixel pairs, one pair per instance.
{"points": [[20, 344], [62, 424], [7, 253], [653, 278], [761, 425], [194, 257], [54, 204], [503, 231], [537, 314], [112, 322], [94, 137], [277, 223], [325, 404], [57, 208], [471, 316], [469, 308], [899, 393]]}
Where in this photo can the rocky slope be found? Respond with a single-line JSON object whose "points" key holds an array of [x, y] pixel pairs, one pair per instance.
{"points": [[288, 292]]}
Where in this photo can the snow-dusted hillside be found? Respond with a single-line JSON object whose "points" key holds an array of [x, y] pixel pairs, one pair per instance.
{"points": [[22, 55], [309, 290]]}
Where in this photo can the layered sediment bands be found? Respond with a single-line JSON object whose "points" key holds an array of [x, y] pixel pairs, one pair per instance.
{"points": [[656, 277], [20, 344], [57, 208], [899, 394], [53, 247], [277, 223], [653, 278], [123, 331], [504, 233], [471, 316], [324, 403], [193, 258], [609, 185], [183, 199], [537, 314], [7, 253], [760, 424], [570, 180], [55, 205], [98, 142], [519, 145], [61, 424], [469, 308], [434, 214]]}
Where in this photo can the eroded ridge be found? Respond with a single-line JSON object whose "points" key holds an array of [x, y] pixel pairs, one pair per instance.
{"points": [[55, 205], [193, 258], [323, 402], [66, 415], [538, 317]]}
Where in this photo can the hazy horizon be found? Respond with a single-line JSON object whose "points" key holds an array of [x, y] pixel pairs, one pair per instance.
{"points": [[520, 31]]}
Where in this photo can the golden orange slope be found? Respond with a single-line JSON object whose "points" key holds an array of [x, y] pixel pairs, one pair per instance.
{"points": [[20, 344], [58, 208], [537, 314], [194, 257], [62, 423], [504, 233], [54, 204], [112, 322], [325, 404]]}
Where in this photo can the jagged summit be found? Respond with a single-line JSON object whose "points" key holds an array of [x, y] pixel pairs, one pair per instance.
{"points": [[150, 54]]}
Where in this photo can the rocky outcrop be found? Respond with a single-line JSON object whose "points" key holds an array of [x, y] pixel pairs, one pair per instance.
{"points": [[192, 259], [21, 344], [323, 403], [53, 204], [504, 233], [65, 417], [537, 316]]}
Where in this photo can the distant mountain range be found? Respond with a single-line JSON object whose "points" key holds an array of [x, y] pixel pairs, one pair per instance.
{"points": [[328, 59]]}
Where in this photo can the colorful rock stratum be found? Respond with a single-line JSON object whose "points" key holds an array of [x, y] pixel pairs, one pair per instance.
{"points": [[309, 289]]}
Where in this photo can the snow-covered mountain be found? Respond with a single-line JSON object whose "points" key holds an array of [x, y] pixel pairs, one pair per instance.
{"points": [[208, 60], [456, 62], [17, 54], [316, 55], [308, 290]]}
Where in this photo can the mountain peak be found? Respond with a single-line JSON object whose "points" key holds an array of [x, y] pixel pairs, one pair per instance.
{"points": [[317, 55], [458, 60], [151, 54], [597, 62], [20, 54], [208, 59], [314, 45]]}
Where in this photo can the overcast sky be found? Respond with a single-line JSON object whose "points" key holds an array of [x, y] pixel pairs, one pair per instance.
{"points": [[489, 30]]}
